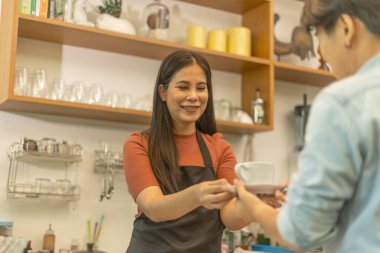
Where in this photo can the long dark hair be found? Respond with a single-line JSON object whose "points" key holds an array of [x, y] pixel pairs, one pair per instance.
{"points": [[325, 13], [161, 140]]}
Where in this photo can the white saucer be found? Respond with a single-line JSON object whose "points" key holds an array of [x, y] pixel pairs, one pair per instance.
{"points": [[263, 188]]}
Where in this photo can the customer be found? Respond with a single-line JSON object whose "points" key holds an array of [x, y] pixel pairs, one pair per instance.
{"points": [[179, 171], [334, 198]]}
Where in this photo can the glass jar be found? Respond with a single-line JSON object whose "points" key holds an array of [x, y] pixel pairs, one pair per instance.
{"points": [[156, 19], [6, 228]]}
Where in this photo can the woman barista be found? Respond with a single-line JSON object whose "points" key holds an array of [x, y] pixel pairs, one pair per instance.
{"points": [[179, 171]]}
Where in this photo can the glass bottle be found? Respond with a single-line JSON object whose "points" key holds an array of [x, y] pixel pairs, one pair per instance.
{"points": [[258, 111], [156, 18], [49, 240], [28, 246]]}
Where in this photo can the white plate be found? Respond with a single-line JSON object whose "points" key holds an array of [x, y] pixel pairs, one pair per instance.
{"points": [[263, 188]]}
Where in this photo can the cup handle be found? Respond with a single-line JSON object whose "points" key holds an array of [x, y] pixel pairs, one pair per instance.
{"points": [[238, 170]]}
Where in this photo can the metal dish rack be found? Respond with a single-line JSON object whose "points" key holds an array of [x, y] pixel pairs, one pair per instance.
{"points": [[18, 189]]}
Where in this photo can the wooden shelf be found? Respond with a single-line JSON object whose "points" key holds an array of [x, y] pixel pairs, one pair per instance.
{"points": [[302, 75], [90, 37], [63, 108], [235, 6], [240, 128], [256, 72]]}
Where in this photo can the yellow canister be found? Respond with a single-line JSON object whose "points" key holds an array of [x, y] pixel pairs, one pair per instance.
{"points": [[196, 36], [217, 40], [239, 41]]}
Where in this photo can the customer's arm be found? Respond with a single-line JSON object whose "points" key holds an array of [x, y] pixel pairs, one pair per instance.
{"points": [[250, 208]]}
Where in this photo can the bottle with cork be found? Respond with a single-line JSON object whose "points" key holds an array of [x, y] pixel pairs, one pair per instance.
{"points": [[258, 111], [49, 240]]}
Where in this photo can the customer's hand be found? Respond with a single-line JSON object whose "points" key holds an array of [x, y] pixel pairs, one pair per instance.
{"points": [[215, 194], [246, 202], [281, 194], [277, 199], [271, 200]]}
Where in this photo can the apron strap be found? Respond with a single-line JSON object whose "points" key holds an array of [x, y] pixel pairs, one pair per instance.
{"points": [[204, 150]]}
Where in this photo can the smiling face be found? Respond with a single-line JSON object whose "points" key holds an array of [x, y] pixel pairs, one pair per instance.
{"points": [[186, 97]]}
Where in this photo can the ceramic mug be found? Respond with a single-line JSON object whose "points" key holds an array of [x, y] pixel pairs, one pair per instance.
{"points": [[255, 172]]}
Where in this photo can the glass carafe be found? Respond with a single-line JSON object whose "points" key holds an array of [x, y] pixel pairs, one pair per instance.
{"points": [[156, 19]]}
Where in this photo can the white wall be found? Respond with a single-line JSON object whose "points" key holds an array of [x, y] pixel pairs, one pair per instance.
{"points": [[123, 73]]}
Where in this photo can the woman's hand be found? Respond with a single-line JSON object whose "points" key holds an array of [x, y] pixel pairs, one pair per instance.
{"points": [[215, 194]]}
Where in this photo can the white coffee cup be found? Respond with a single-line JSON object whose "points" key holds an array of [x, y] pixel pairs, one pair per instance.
{"points": [[255, 172]]}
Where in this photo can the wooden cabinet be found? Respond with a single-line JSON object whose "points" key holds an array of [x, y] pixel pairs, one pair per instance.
{"points": [[257, 71]]}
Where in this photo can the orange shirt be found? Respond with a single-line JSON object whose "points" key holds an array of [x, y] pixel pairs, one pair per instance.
{"points": [[138, 170]]}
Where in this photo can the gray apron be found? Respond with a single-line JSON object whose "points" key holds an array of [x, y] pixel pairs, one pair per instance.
{"points": [[199, 231]]}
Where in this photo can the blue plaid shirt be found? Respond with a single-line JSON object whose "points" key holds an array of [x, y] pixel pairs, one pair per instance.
{"points": [[334, 198]]}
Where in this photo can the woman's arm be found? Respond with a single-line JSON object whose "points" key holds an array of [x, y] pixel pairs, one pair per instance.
{"points": [[159, 207]]}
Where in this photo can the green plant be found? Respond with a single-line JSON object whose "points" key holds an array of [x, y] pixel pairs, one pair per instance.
{"points": [[112, 7]]}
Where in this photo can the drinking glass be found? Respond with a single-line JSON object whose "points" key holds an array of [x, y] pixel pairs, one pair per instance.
{"points": [[21, 81], [124, 101], [38, 84], [217, 108], [225, 109], [77, 92], [143, 103], [43, 185], [55, 90], [76, 150], [23, 187], [63, 148], [95, 94], [47, 146], [110, 99], [63, 186]]}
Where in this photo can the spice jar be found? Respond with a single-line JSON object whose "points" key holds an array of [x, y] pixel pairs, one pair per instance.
{"points": [[6, 228]]}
